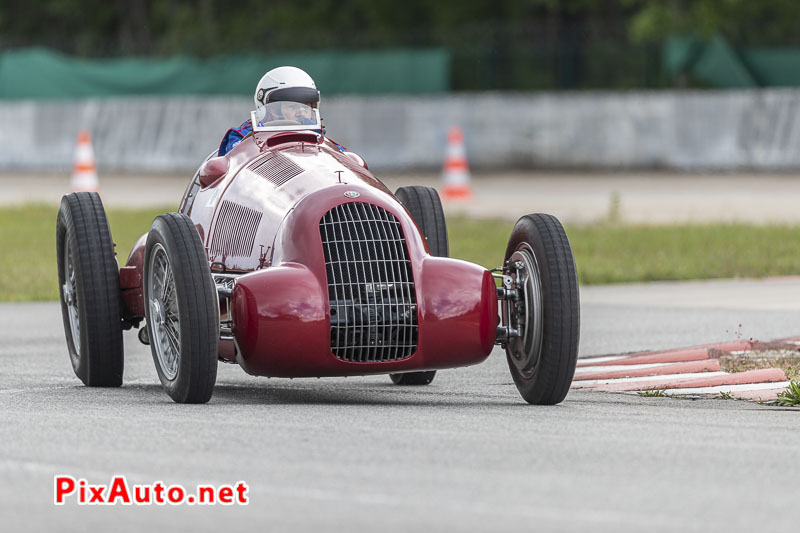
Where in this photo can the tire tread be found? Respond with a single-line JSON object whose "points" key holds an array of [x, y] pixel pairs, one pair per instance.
{"points": [[82, 219]]}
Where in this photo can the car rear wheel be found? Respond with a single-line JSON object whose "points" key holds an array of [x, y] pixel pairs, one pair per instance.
{"points": [[88, 279], [181, 309], [426, 209], [540, 263]]}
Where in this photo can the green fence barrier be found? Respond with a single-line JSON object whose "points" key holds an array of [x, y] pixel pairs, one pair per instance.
{"points": [[720, 64], [39, 73]]}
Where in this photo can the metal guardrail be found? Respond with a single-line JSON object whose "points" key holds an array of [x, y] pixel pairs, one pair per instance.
{"points": [[693, 130]]}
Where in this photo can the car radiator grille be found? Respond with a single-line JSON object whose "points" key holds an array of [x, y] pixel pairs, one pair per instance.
{"points": [[370, 284]]}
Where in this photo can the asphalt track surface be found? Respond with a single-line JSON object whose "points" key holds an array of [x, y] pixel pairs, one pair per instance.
{"points": [[464, 453]]}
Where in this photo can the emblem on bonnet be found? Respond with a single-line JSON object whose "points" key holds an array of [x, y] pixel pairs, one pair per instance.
{"points": [[352, 194]]}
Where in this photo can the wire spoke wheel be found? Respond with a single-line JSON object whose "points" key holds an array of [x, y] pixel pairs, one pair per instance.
{"points": [[181, 309], [163, 305], [70, 298]]}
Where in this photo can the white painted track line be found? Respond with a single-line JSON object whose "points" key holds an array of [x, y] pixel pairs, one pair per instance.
{"points": [[603, 359], [666, 378], [600, 369], [727, 388]]}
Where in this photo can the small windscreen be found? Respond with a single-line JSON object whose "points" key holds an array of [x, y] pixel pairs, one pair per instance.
{"points": [[288, 116]]}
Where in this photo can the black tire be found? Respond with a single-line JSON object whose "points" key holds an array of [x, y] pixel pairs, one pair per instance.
{"points": [[413, 378], [181, 309], [426, 209], [88, 281], [544, 376]]}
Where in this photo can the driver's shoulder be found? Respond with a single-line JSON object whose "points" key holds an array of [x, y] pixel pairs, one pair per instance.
{"points": [[245, 128], [336, 145], [234, 136]]}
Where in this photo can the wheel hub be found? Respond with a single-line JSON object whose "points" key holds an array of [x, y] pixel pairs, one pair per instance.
{"points": [[68, 293], [525, 314], [157, 308]]}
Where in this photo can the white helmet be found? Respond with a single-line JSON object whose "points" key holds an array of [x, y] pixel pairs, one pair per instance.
{"points": [[289, 84]]}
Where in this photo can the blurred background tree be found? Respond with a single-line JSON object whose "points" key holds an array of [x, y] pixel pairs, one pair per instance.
{"points": [[745, 22], [499, 44]]}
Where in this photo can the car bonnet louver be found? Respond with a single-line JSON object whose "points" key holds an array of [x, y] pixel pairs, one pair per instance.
{"points": [[235, 231], [276, 168]]}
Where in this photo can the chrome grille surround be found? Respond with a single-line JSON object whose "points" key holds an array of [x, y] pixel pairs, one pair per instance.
{"points": [[373, 302]]}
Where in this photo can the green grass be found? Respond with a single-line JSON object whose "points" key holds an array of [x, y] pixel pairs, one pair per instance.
{"points": [[653, 393], [28, 247], [613, 253], [604, 253], [791, 396]]}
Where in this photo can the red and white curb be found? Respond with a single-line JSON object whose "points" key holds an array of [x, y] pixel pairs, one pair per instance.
{"points": [[691, 371]]}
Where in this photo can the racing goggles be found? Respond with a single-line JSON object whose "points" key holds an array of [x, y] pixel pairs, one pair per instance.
{"points": [[306, 95]]}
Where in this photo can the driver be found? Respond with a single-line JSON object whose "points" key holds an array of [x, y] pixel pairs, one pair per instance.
{"points": [[283, 93], [298, 112]]}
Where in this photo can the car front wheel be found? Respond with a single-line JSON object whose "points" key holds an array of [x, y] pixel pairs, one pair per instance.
{"points": [[543, 354], [181, 309]]}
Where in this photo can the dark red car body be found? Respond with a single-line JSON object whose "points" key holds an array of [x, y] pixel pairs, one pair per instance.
{"points": [[259, 210]]}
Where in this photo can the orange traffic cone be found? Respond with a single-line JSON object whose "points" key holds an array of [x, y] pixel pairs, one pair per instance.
{"points": [[84, 171], [455, 172]]}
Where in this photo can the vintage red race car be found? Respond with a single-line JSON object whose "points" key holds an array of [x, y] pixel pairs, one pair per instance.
{"points": [[288, 257]]}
